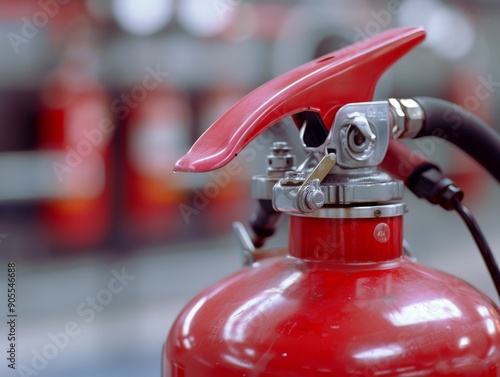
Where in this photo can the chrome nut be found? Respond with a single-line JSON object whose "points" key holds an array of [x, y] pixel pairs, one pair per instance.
{"points": [[415, 118], [408, 118], [280, 159], [398, 116]]}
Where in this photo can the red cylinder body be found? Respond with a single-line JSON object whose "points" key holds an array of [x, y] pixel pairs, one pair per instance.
{"points": [[345, 302]]}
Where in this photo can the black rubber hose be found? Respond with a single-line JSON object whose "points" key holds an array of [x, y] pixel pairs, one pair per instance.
{"points": [[264, 222], [449, 121]]}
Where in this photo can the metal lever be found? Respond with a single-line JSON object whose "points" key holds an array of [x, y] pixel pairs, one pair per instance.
{"points": [[249, 252], [321, 86], [310, 197], [245, 242], [321, 170]]}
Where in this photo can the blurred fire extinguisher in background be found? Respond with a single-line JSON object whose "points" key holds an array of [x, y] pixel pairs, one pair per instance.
{"points": [[75, 120], [224, 193], [157, 129]]}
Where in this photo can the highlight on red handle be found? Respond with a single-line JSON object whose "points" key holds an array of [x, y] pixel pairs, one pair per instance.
{"points": [[323, 86]]}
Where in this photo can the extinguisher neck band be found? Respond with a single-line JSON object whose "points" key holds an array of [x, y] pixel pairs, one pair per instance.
{"points": [[358, 212], [343, 239]]}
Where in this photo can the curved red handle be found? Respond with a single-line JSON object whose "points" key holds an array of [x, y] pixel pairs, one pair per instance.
{"points": [[322, 85]]}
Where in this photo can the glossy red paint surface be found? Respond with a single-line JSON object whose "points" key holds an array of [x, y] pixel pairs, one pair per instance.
{"points": [[322, 85], [292, 317], [346, 240]]}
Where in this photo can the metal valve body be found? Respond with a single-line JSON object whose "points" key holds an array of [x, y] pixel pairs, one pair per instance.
{"points": [[345, 300]]}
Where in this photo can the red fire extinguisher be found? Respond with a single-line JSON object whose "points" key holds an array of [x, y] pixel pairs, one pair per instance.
{"points": [[156, 128], [75, 121], [345, 300]]}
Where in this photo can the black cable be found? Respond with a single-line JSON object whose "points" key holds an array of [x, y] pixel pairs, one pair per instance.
{"points": [[450, 122], [481, 242], [427, 181]]}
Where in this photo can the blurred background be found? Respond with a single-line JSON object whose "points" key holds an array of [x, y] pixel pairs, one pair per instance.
{"points": [[98, 99]]}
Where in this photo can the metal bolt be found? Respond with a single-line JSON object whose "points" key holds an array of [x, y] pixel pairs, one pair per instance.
{"points": [[280, 158], [315, 199], [310, 198], [279, 147]]}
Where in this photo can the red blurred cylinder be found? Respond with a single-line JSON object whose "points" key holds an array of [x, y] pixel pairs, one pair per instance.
{"points": [[157, 130], [75, 121]]}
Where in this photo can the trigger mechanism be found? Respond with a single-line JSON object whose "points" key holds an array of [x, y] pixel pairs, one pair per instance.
{"points": [[343, 170]]}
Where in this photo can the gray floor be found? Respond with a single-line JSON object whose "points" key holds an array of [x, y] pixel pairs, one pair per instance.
{"points": [[125, 337]]}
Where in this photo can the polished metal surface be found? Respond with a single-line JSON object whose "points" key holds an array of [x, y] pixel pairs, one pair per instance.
{"points": [[262, 186], [408, 118], [244, 242], [360, 134], [279, 161], [357, 142], [342, 188], [377, 187], [360, 212]]}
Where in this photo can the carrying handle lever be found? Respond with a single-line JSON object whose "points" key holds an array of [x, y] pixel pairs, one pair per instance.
{"points": [[321, 86]]}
